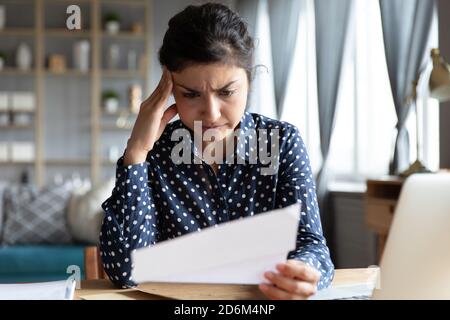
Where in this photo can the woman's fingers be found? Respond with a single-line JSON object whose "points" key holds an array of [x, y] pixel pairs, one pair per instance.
{"points": [[163, 94], [153, 118], [169, 114], [299, 270], [164, 85], [290, 285]]}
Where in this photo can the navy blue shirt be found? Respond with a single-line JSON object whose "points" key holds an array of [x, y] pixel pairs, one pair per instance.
{"points": [[159, 200]]}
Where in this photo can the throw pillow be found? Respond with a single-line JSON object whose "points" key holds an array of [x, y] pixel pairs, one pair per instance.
{"points": [[37, 217], [85, 214]]}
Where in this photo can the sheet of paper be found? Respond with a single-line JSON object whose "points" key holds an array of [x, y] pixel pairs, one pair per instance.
{"points": [[236, 252], [53, 290]]}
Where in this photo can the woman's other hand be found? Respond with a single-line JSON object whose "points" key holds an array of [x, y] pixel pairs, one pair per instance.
{"points": [[295, 280]]}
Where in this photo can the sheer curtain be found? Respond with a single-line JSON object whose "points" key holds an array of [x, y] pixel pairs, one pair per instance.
{"points": [[361, 143], [406, 25], [262, 91], [300, 104]]}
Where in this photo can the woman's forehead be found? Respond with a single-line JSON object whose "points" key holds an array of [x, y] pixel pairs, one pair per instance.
{"points": [[213, 75]]}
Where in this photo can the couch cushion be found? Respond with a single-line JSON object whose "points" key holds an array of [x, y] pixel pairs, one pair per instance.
{"points": [[39, 263], [85, 213], [37, 217]]}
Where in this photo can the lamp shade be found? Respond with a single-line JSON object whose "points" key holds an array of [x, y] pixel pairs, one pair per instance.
{"points": [[440, 77]]}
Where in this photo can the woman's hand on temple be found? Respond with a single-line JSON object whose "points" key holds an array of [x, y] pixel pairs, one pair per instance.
{"points": [[295, 280], [151, 121]]}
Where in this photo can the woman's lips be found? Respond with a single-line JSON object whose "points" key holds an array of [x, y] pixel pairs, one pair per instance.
{"points": [[215, 127]]}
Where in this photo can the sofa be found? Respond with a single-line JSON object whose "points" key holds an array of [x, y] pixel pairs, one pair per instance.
{"points": [[38, 263], [44, 231]]}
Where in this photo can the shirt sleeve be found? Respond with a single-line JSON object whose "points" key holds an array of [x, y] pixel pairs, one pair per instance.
{"points": [[129, 222], [296, 184]]}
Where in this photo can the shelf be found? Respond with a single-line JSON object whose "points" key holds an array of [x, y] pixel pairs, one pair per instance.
{"points": [[15, 163], [68, 73], [17, 2], [20, 111], [14, 126], [68, 162], [124, 3], [122, 111], [63, 1], [43, 25], [122, 73], [124, 35], [109, 162], [56, 32], [17, 72], [17, 111], [114, 127], [17, 32]]}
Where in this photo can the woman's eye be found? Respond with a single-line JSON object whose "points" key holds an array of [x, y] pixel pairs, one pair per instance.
{"points": [[190, 95], [226, 93]]}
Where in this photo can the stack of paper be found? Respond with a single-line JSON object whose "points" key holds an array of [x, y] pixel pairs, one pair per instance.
{"points": [[235, 252], [53, 290]]}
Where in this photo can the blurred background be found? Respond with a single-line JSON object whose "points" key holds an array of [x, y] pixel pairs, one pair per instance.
{"points": [[359, 78]]}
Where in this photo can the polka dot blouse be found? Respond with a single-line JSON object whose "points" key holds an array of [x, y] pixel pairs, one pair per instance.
{"points": [[159, 200]]}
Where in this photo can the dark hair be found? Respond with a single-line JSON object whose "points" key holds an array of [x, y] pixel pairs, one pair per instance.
{"points": [[209, 33]]}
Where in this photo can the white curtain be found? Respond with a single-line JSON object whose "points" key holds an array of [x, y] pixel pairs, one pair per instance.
{"points": [[261, 97], [300, 106], [262, 91]]}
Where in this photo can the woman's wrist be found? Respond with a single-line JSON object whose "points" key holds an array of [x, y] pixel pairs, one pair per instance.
{"points": [[134, 156]]}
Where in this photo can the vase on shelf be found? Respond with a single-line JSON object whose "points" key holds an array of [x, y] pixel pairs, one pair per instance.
{"points": [[113, 56], [112, 23], [2, 61], [2, 17], [110, 101], [23, 57], [135, 98], [111, 105], [81, 55], [132, 60]]}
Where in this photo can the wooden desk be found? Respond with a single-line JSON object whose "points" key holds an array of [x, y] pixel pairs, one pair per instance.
{"points": [[191, 291]]}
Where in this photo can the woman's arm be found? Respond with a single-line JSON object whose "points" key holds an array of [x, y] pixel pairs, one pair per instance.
{"points": [[296, 184], [129, 223], [130, 220]]}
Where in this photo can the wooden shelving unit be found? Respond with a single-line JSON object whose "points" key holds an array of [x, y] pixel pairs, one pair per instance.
{"points": [[41, 33]]}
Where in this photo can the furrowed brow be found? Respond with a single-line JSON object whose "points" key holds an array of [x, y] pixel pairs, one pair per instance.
{"points": [[220, 89]]}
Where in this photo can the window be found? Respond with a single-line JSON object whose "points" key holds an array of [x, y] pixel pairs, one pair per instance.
{"points": [[300, 104], [363, 136]]}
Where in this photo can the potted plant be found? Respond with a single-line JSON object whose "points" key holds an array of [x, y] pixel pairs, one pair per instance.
{"points": [[112, 23], [111, 101], [2, 60]]}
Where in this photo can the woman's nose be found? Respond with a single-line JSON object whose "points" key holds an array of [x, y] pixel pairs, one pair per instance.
{"points": [[211, 111]]}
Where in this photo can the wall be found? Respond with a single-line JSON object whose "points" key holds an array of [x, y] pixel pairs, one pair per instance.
{"points": [[162, 12]]}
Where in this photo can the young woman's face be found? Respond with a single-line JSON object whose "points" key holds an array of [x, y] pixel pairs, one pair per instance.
{"points": [[215, 94]]}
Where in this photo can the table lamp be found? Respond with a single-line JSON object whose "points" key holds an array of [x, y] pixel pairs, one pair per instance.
{"points": [[439, 85], [439, 78]]}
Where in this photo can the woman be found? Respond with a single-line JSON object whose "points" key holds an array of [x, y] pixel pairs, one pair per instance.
{"points": [[207, 58]]}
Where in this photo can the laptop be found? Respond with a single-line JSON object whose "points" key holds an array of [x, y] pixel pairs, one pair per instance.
{"points": [[416, 260]]}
